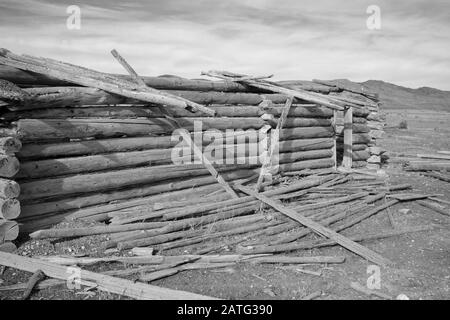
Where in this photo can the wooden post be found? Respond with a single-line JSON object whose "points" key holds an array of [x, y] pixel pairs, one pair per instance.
{"points": [[348, 137], [274, 144], [334, 139]]}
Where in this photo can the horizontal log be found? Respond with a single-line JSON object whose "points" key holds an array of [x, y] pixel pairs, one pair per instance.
{"points": [[360, 155], [55, 97], [73, 203], [166, 82], [9, 230], [298, 260], [67, 149], [9, 189], [51, 129], [234, 154], [85, 183], [358, 138], [9, 166], [9, 209], [9, 145], [139, 111], [428, 166]]}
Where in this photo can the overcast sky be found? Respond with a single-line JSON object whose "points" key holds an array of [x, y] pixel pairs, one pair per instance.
{"points": [[293, 39]]}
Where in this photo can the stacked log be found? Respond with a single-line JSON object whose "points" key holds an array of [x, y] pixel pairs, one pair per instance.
{"points": [[9, 192], [85, 149]]}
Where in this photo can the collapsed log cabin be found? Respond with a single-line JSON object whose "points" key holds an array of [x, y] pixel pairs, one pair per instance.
{"points": [[77, 143]]}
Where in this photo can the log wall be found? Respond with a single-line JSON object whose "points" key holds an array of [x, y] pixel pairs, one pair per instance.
{"points": [[76, 151]]}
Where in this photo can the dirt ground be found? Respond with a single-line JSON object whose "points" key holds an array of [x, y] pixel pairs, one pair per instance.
{"points": [[422, 259]]}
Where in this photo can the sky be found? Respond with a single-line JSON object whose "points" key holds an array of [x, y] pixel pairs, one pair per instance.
{"points": [[292, 39]]}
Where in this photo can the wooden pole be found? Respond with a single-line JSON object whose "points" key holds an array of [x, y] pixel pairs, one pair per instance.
{"points": [[348, 137], [274, 145]]}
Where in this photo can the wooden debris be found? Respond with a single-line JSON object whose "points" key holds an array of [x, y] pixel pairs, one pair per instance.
{"points": [[37, 276], [101, 282], [433, 207], [321, 230]]}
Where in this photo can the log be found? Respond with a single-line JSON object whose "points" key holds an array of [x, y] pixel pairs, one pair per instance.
{"points": [[53, 129], [428, 166], [101, 282], [433, 207], [84, 183], [298, 260], [437, 176], [7, 247], [9, 209], [9, 145], [348, 138], [274, 145], [57, 97], [9, 189], [91, 147], [434, 156], [208, 165], [37, 276], [91, 78], [9, 230], [321, 230], [9, 166], [89, 231], [72, 203], [309, 118], [272, 87]]}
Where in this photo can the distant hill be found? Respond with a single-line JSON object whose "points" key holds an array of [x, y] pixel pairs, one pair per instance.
{"points": [[398, 97]]}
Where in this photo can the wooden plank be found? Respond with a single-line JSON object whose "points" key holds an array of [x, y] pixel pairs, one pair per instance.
{"points": [[320, 229], [348, 138], [101, 282], [274, 146]]}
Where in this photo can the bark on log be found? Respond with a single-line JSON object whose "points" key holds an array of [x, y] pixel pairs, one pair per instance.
{"points": [[85, 183], [136, 111], [74, 203], [68, 166], [91, 147], [51, 129]]}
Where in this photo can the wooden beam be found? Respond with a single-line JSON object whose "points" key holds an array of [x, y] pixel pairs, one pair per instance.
{"points": [[348, 137], [320, 229], [101, 282], [208, 165], [274, 144]]}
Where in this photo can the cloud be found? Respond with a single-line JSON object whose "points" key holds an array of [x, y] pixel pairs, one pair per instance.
{"points": [[292, 39]]}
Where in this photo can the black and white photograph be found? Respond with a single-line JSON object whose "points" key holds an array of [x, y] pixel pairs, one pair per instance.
{"points": [[226, 155]]}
